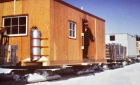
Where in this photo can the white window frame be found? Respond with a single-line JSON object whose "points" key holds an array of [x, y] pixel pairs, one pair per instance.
{"points": [[17, 25], [72, 29]]}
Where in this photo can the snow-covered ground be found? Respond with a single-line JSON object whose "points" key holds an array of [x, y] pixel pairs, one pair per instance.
{"points": [[128, 75], [5, 70]]}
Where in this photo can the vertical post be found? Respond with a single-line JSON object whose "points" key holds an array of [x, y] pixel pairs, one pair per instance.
{"points": [[95, 40], [14, 7]]}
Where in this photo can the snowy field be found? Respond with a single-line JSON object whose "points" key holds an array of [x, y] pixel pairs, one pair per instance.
{"points": [[5, 70], [128, 75]]}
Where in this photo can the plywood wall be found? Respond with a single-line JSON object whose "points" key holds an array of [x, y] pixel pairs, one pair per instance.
{"points": [[65, 50], [138, 48], [100, 41], [1, 14], [38, 15], [51, 18], [38, 12]]}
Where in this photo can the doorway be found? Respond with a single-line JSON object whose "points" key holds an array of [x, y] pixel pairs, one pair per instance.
{"points": [[83, 26]]}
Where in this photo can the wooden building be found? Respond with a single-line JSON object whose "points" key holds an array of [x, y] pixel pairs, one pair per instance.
{"points": [[61, 26], [138, 48]]}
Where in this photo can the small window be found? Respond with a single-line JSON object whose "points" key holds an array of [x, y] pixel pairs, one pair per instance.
{"points": [[112, 38], [72, 29], [16, 25]]}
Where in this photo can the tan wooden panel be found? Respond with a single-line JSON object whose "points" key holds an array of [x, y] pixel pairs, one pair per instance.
{"points": [[17, 41], [60, 32], [74, 45], [100, 41], [138, 48], [38, 15], [1, 12], [9, 8], [52, 44]]}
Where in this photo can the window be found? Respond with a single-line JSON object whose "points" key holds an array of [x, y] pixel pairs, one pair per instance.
{"points": [[112, 38], [72, 29], [16, 25]]}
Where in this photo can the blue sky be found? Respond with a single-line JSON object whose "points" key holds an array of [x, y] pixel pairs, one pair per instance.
{"points": [[122, 16]]}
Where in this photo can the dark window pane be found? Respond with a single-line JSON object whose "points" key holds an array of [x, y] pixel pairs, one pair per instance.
{"points": [[8, 30], [22, 29], [112, 38], [7, 22], [73, 26], [14, 21], [73, 33], [15, 30], [70, 33], [22, 20], [70, 25]]}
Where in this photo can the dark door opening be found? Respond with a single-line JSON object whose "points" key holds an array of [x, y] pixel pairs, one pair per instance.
{"points": [[83, 26]]}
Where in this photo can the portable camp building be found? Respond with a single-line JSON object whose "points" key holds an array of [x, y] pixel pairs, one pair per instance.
{"points": [[61, 27], [126, 40]]}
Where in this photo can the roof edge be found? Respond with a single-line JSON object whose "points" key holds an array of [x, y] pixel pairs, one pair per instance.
{"points": [[2, 1], [67, 4], [119, 34]]}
